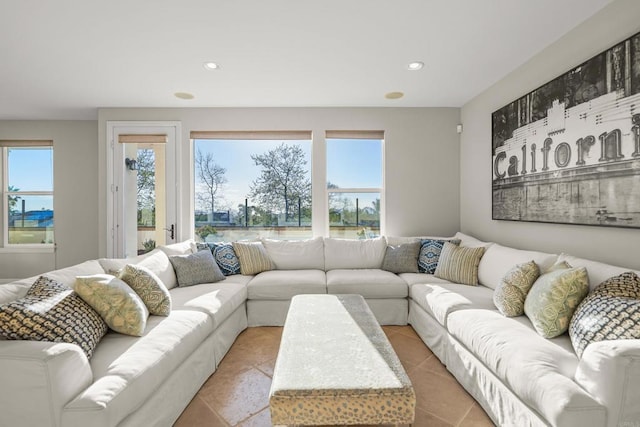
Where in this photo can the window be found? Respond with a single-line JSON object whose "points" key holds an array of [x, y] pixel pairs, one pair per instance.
{"points": [[252, 184], [27, 193], [354, 183]]}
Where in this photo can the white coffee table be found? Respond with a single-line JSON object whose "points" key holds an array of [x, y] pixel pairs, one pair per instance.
{"points": [[336, 366]]}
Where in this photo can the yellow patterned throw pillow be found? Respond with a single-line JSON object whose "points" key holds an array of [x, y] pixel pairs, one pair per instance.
{"points": [[253, 257], [511, 293], [553, 299], [51, 311], [459, 264], [149, 287], [115, 301]]}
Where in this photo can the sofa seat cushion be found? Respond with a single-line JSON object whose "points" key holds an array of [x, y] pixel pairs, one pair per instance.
{"points": [[296, 254], [219, 300], [424, 278], [240, 279], [539, 371], [370, 283], [441, 299], [283, 284], [127, 370]]}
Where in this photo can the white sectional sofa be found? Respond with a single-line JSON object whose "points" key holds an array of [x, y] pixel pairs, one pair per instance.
{"points": [[519, 378]]}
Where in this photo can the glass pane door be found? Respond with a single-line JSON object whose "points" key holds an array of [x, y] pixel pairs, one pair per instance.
{"points": [[145, 207]]}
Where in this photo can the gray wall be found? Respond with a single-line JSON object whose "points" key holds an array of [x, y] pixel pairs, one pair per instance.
{"points": [[75, 182], [614, 23], [421, 168], [421, 154]]}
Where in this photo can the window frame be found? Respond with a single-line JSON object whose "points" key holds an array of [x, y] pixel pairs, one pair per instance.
{"points": [[5, 146], [256, 136], [356, 134]]}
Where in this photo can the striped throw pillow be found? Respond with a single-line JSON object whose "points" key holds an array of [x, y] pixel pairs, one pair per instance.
{"points": [[253, 257], [459, 264]]}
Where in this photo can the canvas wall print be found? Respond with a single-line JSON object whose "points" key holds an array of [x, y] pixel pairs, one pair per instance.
{"points": [[569, 151]]}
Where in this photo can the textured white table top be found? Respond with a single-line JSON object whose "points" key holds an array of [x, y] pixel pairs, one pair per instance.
{"points": [[332, 344]]}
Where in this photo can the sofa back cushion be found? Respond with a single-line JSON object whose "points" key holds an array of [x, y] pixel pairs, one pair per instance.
{"points": [[598, 271], [350, 254], [498, 260], [156, 261], [67, 276], [467, 241], [399, 240], [180, 248], [296, 254]]}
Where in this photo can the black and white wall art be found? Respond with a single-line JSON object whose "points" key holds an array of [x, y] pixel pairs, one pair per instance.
{"points": [[569, 151]]}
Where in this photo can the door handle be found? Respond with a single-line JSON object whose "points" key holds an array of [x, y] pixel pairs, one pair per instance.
{"points": [[172, 231]]}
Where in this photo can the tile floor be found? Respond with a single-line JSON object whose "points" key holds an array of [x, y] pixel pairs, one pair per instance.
{"points": [[237, 394]]}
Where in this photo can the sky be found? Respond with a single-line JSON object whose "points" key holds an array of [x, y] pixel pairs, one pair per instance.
{"points": [[32, 170], [350, 163]]}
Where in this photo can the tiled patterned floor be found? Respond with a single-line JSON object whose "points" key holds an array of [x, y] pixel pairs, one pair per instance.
{"points": [[237, 394]]}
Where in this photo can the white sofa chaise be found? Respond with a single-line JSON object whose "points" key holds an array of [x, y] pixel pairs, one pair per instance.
{"points": [[519, 378]]}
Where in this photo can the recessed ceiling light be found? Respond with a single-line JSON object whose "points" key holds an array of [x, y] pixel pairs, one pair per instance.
{"points": [[183, 95], [211, 66], [394, 95], [415, 66]]}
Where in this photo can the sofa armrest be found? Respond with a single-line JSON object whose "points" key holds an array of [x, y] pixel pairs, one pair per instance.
{"points": [[38, 379], [610, 372]]}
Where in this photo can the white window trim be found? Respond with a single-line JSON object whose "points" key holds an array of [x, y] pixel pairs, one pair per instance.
{"points": [[354, 190], [258, 135]]}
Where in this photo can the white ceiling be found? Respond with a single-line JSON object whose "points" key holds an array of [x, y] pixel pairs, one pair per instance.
{"points": [[64, 59]]}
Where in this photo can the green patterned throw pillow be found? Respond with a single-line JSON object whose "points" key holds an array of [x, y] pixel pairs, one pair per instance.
{"points": [[459, 264], [553, 299], [51, 311], [115, 301], [149, 287], [511, 293]]}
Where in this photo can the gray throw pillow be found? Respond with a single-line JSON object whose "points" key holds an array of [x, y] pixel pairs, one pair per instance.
{"points": [[402, 258], [193, 269]]}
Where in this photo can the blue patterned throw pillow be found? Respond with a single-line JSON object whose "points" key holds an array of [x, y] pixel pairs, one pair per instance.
{"points": [[224, 255], [430, 254]]}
